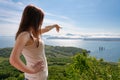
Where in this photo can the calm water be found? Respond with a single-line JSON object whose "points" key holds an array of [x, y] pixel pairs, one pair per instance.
{"points": [[108, 50]]}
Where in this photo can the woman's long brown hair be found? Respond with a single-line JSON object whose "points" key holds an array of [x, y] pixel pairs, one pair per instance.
{"points": [[32, 17]]}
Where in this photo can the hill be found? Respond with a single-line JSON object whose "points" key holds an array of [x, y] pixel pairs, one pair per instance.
{"points": [[51, 51], [65, 63]]}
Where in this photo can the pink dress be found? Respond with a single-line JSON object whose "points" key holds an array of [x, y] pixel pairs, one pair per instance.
{"points": [[32, 55]]}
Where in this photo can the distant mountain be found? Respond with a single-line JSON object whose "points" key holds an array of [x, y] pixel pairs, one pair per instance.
{"points": [[69, 34], [102, 39], [91, 37], [86, 39]]}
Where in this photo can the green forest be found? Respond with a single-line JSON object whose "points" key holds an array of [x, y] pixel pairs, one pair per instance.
{"points": [[65, 63]]}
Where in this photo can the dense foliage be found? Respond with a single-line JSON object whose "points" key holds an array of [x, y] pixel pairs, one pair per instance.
{"points": [[88, 68], [64, 64]]}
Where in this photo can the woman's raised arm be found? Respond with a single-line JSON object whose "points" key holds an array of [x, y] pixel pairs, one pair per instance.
{"points": [[50, 27]]}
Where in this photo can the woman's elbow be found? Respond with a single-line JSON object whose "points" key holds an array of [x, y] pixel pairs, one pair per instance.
{"points": [[12, 61]]}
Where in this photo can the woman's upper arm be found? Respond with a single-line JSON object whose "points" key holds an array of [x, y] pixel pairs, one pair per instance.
{"points": [[19, 45], [43, 30]]}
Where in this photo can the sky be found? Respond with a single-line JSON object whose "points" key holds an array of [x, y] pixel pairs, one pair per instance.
{"points": [[74, 16]]}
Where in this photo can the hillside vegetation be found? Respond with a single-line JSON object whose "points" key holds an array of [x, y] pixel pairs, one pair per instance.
{"points": [[65, 63]]}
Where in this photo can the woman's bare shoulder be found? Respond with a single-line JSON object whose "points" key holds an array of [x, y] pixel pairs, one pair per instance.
{"points": [[24, 34]]}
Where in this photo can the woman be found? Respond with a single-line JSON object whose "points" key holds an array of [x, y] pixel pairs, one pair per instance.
{"points": [[30, 45]]}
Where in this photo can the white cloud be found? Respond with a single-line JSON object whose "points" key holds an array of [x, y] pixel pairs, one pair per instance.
{"points": [[11, 4], [67, 26], [20, 3], [10, 14], [57, 16], [10, 11], [8, 29]]}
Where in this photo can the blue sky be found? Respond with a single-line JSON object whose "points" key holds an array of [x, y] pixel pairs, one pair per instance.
{"points": [[75, 16]]}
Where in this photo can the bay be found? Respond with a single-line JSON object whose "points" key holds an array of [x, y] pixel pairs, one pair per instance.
{"points": [[108, 50]]}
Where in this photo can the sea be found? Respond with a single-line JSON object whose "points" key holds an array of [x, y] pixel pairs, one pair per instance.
{"points": [[108, 50]]}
